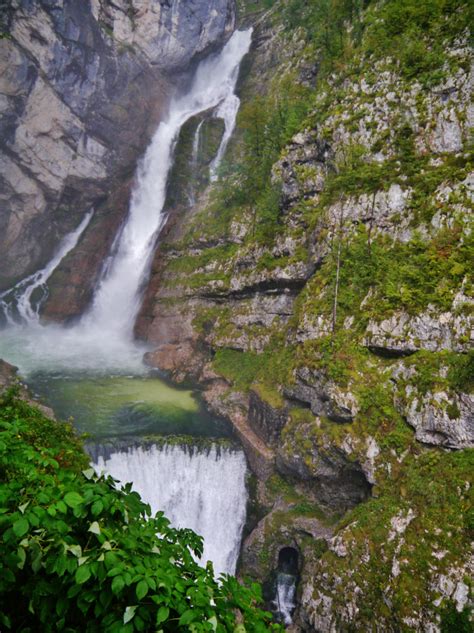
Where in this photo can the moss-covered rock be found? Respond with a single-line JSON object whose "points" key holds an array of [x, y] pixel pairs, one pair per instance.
{"points": [[328, 273]]}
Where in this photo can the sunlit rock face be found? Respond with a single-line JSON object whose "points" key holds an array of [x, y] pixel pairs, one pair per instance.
{"points": [[82, 87]]}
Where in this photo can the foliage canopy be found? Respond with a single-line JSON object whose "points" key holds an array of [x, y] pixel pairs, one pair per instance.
{"points": [[76, 553]]}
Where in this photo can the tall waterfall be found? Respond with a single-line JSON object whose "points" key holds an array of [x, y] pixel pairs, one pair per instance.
{"points": [[227, 110], [200, 489], [103, 338], [117, 299]]}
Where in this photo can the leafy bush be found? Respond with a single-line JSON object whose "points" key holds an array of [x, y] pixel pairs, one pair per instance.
{"points": [[78, 554]]}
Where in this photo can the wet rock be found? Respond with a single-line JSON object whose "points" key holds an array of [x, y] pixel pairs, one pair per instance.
{"points": [[234, 407], [326, 475], [275, 531], [8, 375], [9, 378]]}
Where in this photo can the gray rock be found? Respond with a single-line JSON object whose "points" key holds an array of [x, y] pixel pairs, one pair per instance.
{"points": [[402, 334], [327, 476], [442, 419], [322, 395], [302, 171], [265, 420]]}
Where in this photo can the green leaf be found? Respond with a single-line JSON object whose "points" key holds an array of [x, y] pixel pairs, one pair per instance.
{"points": [[36, 562], [20, 527], [61, 506], [118, 583], [162, 615], [97, 507], [22, 556], [115, 571], [73, 499], [94, 528], [188, 616], [142, 589], [83, 574], [75, 549], [129, 613]]}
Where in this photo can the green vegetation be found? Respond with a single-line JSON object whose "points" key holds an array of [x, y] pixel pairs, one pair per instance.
{"points": [[78, 554], [407, 276], [266, 124], [264, 372], [412, 32], [190, 174], [435, 488]]}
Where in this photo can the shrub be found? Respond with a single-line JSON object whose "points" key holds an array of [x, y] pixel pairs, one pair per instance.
{"points": [[78, 554]]}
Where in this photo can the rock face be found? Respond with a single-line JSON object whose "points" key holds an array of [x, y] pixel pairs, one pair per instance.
{"points": [[339, 340], [323, 396], [9, 378], [403, 334], [265, 420], [8, 375], [82, 87]]}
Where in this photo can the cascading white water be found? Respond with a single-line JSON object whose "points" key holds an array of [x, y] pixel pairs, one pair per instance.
{"points": [[103, 338], [117, 298], [285, 601], [196, 141], [227, 110], [20, 296], [194, 162], [199, 489]]}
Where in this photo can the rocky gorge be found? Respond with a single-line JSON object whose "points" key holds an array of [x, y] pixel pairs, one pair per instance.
{"points": [[319, 291]]}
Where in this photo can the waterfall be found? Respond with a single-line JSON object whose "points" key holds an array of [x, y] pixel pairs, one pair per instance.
{"points": [[227, 110], [118, 296], [103, 338], [285, 602], [286, 580], [201, 489], [194, 164], [20, 297], [196, 141]]}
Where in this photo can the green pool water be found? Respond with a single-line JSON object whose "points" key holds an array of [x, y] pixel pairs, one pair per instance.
{"points": [[111, 406]]}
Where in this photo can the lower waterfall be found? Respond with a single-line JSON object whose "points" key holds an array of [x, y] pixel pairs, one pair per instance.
{"points": [[201, 489], [285, 601]]}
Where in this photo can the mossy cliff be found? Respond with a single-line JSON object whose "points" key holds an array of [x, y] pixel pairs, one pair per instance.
{"points": [[321, 292]]}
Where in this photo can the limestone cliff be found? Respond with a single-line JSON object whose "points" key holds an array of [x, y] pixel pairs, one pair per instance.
{"points": [[322, 294], [82, 87]]}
